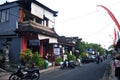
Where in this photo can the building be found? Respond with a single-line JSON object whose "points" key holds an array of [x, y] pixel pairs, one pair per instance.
{"points": [[29, 24], [68, 45]]}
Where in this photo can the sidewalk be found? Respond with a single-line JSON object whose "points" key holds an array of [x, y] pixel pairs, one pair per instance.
{"points": [[112, 76], [4, 75], [110, 72]]}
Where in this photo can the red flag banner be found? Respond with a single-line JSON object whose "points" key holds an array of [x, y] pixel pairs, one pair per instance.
{"points": [[111, 15]]}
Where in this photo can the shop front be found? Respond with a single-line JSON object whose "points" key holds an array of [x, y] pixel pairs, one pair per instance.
{"points": [[38, 39]]}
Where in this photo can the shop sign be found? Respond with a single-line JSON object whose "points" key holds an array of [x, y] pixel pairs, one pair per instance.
{"points": [[57, 51], [34, 42]]}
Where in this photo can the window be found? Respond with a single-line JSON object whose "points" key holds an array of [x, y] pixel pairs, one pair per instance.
{"points": [[45, 21], [7, 15], [4, 15]]}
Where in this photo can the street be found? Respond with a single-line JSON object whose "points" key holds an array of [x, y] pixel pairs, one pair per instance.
{"points": [[91, 71]]}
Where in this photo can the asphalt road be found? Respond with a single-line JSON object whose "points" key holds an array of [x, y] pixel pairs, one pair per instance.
{"points": [[91, 71]]}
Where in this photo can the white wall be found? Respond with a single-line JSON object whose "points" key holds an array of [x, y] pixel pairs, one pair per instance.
{"points": [[40, 12]]}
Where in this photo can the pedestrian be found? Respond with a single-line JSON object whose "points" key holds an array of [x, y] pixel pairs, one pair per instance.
{"points": [[98, 59], [117, 66]]}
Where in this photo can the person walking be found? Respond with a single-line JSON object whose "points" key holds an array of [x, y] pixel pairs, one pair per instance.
{"points": [[98, 59]]}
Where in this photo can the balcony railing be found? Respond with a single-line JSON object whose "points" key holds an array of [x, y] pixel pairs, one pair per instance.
{"points": [[34, 24]]}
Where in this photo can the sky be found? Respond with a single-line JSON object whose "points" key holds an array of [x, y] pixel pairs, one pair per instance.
{"points": [[81, 18]]}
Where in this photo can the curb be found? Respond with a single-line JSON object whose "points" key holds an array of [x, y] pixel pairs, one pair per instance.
{"points": [[49, 69], [4, 75], [107, 73]]}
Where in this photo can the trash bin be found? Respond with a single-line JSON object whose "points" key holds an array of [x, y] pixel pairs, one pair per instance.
{"points": [[46, 64]]}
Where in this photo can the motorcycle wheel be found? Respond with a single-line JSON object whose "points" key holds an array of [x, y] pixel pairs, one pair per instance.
{"points": [[35, 76], [14, 77], [61, 67]]}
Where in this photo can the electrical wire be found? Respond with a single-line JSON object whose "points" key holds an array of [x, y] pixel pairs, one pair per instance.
{"points": [[98, 31], [78, 17], [85, 15]]}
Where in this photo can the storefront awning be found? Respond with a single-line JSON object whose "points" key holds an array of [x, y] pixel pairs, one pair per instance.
{"points": [[51, 39]]}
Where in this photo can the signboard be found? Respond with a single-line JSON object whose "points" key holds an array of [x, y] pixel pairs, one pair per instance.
{"points": [[34, 42], [57, 51], [90, 50]]}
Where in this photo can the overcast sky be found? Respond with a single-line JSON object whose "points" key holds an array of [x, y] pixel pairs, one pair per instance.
{"points": [[81, 18]]}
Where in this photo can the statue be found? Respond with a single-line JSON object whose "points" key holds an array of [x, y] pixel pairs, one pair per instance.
{"points": [[6, 55]]}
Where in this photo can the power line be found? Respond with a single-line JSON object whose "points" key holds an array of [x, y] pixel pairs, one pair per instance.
{"points": [[104, 26], [98, 31], [78, 17], [116, 3], [84, 15]]}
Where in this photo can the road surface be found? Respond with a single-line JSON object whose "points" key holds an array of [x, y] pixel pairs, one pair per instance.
{"points": [[91, 71]]}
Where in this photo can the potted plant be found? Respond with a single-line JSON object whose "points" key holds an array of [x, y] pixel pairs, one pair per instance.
{"points": [[37, 60], [26, 56], [71, 57], [58, 60]]}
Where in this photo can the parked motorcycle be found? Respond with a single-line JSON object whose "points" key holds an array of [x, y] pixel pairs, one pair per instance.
{"points": [[71, 64], [64, 64], [30, 74], [78, 62], [67, 64]]}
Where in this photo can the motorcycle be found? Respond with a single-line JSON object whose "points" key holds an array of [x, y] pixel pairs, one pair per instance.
{"points": [[30, 74], [71, 64], [67, 64], [64, 64], [78, 62]]}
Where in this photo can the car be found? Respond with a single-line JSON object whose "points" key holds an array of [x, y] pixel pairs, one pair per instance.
{"points": [[85, 60], [92, 59], [89, 59]]}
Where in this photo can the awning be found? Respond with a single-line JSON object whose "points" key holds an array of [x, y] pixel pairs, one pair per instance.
{"points": [[51, 39]]}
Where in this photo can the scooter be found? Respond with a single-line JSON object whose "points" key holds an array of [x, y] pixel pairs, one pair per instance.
{"points": [[30, 74], [64, 64], [78, 62], [67, 64], [71, 64]]}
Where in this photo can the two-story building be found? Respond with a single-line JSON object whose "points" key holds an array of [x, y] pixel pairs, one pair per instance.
{"points": [[30, 24], [27, 24]]}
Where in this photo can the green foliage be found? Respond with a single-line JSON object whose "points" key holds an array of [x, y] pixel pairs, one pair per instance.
{"points": [[38, 60], [58, 60], [82, 55], [70, 57], [85, 45], [26, 54], [82, 46], [111, 47], [28, 58]]}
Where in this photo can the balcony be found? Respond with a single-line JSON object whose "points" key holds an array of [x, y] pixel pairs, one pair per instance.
{"points": [[31, 26]]}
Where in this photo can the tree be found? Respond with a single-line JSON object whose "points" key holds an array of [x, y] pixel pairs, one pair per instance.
{"points": [[110, 49], [84, 46]]}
